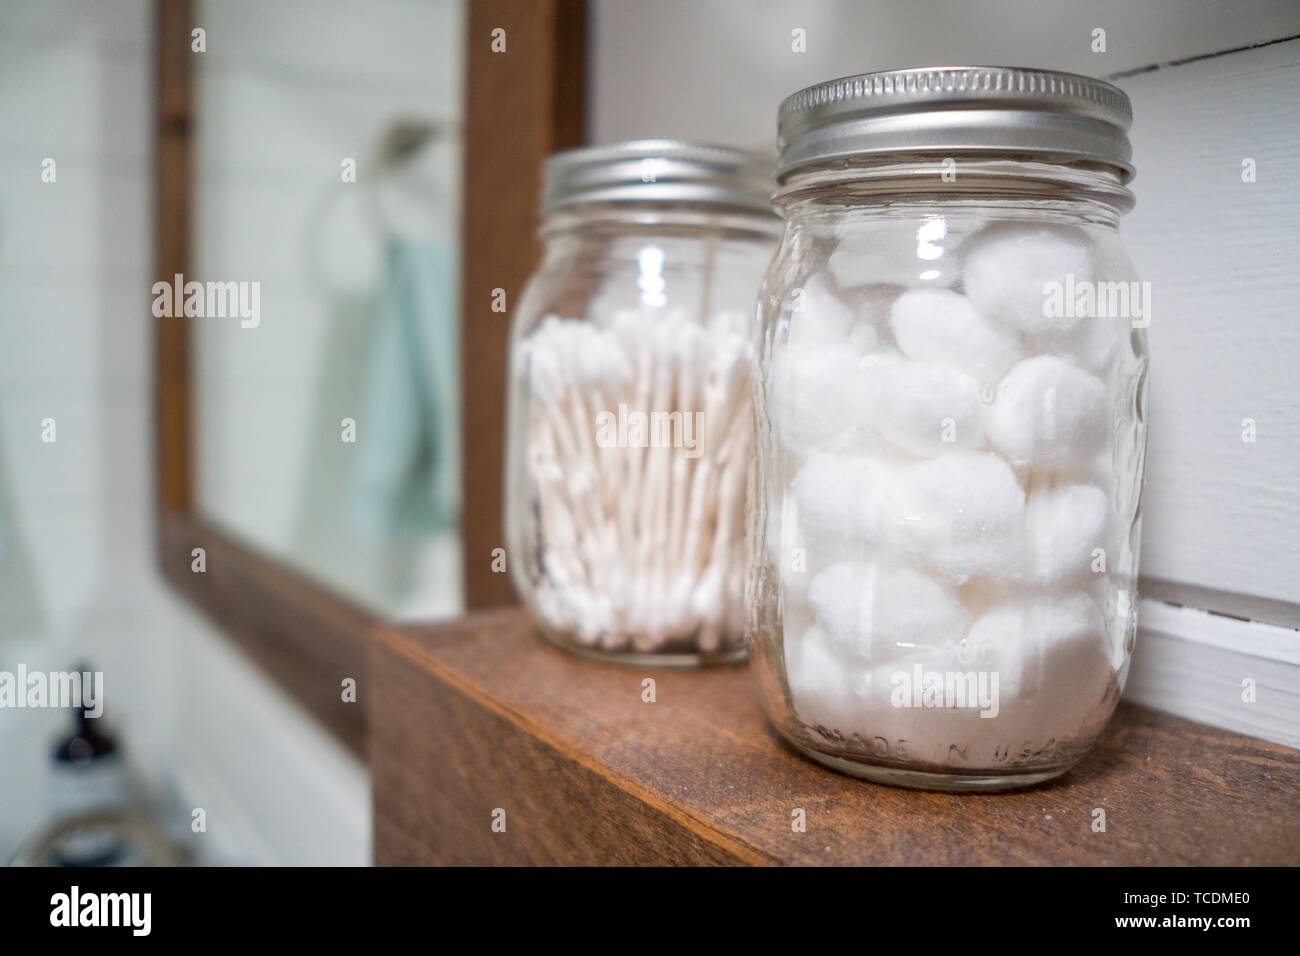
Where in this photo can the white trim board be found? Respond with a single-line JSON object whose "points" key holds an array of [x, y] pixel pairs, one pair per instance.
{"points": [[1193, 663]]}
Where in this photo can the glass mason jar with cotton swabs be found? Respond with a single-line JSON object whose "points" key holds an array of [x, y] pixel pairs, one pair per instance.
{"points": [[951, 367], [629, 436]]}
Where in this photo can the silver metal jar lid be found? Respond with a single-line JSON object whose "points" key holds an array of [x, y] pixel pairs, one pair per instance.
{"points": [[659, 170], [1060, 117]]}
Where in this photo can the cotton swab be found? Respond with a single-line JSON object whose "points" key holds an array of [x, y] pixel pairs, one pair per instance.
{"points": [[639, 544]]}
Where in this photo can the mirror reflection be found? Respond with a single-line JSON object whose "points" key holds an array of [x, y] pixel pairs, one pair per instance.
{"points": [[326, 187]]}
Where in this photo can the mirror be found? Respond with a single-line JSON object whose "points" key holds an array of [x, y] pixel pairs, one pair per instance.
{"points": [[325, 248]]}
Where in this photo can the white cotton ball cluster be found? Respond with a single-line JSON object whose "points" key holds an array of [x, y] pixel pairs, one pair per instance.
{"points": [[818, 316], [837, 498], [1044, 657], [1063, 527], [873, 612], [816, 391], [814, 397], [1049, 413], [818, 681], [870, 305], [921, 408], [961, 514], [951, 516], [832, 689], [1050, 652], [944, 327], [1007, 266], [1094, 342]]}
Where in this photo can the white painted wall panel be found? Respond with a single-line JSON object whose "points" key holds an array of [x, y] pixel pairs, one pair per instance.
{"points": [[716, 70], [1223, 258]]}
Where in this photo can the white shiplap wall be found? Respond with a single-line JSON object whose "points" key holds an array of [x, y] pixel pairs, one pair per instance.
{"points": [[1224, 262], [716, 70]]}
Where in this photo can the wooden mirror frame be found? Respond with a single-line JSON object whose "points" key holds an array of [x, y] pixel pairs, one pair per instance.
{"points": [[520, 106]]}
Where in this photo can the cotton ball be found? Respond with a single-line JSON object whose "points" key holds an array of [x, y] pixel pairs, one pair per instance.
{"points": [[961, 514], [819, 680], [943, 327], [836, 500], [1050, 654], [813, 397], [862, 338], [797, 564], [885, 705], [1062, 527], [1049, 413], [872, 611], [818, 316], [1094, 342], [836, 693], [922, 408], [872, 369], [1008, 265]]}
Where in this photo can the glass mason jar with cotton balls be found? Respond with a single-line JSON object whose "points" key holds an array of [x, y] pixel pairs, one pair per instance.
{"points": [[950, 389], [629, 436]]}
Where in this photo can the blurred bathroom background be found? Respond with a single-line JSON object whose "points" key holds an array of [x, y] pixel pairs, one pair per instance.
{"points": [[362, 279], [362, 282]]}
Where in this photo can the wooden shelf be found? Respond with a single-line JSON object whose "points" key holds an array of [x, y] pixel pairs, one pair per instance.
{"points": [[479, 714]]}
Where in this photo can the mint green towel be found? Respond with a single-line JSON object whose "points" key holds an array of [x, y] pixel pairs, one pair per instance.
{"points": [[407, 463]]}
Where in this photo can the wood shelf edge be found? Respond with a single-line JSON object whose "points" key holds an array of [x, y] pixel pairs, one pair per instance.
{"points": [[393, 639], [478, 715]]}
